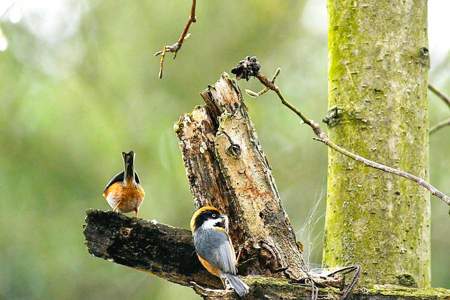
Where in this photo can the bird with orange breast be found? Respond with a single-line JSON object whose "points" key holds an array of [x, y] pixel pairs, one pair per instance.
{"points": [[214, 248], [124, 192]]}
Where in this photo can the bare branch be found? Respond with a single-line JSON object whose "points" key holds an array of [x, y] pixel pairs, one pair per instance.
{"points": [[174, 48], [441, 95], [440, 125], [446, 100], [323, 137]]}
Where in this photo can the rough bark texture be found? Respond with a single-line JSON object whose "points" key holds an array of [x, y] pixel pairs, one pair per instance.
{"points": [[378, 96], [168, 252], [147, 246], [227, 168]]}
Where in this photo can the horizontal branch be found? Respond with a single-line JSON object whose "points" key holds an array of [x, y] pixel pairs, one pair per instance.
{"points": [[168, 252], [165, 251]]}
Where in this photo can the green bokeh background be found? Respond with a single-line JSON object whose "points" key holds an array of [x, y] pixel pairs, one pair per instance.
{"points": [[70, 104]]}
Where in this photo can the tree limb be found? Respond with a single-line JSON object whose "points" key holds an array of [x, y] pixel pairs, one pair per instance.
{"points": [[441, 95], [440, 125], [446, 100], [168, 252], [323, 137], [165, 251]]}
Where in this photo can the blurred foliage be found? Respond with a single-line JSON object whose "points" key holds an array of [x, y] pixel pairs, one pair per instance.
{"points": [[73, 96]]}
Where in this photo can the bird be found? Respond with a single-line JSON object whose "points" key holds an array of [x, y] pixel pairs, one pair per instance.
{"points": [[124, 192], [214, 247]]}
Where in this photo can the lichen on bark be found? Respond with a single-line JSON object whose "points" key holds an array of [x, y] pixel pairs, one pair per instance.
{"points": [[378, 67]]}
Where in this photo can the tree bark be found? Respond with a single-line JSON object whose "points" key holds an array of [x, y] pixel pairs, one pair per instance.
{"points": [[227, 168], [168, 252], [163, 250], [378, 103]]}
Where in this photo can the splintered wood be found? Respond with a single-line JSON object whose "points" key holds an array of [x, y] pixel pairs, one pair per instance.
{"points": [[227, 168]]}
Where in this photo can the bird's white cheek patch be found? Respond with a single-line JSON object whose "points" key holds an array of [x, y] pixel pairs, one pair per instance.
{"points": [[210, 224]]}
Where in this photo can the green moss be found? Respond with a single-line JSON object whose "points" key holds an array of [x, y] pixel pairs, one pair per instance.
{"points": [[378, 79], [281, 286], [399, 291], [406, 280]]}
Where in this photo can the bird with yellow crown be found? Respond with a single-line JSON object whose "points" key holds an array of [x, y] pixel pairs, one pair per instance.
{"points": [[214, 248]]}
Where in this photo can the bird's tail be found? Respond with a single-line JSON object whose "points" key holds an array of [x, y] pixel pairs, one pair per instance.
{"points": [[237, 284], [128, 160]]}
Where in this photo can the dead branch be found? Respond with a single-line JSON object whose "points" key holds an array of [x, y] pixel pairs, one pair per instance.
{"points": [[446, 100], [168, 252], [322, 136], [440, 125], [174, 48], [441, 95], [164, 251]]}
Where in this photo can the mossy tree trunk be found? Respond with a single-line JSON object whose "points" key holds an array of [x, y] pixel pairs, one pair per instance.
{"points": [[378, 94]]}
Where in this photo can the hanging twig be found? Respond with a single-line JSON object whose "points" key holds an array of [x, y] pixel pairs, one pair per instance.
{"points": [[440, 125], [174, 48], [439, 94], [246, 68]]}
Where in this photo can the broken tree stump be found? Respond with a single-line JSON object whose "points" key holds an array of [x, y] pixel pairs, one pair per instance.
{"points": [[226, 168]]}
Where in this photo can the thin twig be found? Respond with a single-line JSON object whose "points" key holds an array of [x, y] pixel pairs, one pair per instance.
{"points": [[174, 48], [438, 93], [345, 270], [440, 125], [446, 100], [323, 137]]}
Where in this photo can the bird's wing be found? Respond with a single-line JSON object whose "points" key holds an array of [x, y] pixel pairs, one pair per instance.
{"points": [[137, 178], [117, 178], [215, 246]]}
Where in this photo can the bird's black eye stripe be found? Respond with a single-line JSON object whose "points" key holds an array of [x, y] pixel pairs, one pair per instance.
{"points": [[205, 216]]}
